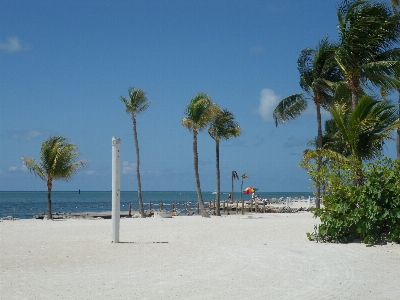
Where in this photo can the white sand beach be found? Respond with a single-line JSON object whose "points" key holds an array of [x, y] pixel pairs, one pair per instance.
{"points": [[259, 256]]}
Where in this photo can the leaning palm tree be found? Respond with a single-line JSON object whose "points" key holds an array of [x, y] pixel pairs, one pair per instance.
{"points": [[136, 104], [318, 76], [244, 176], [368, 32], [223, 127], [234, 177], [199, 113], [57, 161]]}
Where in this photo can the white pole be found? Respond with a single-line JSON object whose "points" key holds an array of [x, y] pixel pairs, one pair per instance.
{"points": [[115, 215]]}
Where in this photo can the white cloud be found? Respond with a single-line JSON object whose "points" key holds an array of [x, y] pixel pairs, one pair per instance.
{"points": [[268, 102], [128, 168], [11, 45], [16, 168]]}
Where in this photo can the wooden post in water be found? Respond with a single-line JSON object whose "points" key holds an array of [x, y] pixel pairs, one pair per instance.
{"points": [[130, 209], [251, 206], [242, 207], [161, 206], [264, 207], [237, 206], [150, 206]]}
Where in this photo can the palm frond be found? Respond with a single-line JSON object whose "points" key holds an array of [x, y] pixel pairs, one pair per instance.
{"points": [[34, 167], [224, 126], [200, 111], [326, 153], [136, 103], [289, 108], [57, 160]]}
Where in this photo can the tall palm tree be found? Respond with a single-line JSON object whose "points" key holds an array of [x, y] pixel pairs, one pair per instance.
{"points": [[368, 32], [244, 176], [199, 113], [134, 105], [318, 74], [57, 161], [223, 127]]}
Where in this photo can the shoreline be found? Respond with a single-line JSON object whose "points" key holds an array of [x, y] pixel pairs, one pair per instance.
{"points": [[227, 257]]}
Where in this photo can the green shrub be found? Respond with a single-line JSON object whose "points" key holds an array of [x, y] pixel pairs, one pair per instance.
{"points": [[370, 211]]}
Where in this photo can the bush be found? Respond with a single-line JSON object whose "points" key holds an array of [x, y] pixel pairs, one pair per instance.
{"points": [[370, 211]]}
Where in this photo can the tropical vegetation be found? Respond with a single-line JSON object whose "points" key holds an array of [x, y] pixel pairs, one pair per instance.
{"points": [[369, 212], [360, 189], [136, 104], [57, 161]]}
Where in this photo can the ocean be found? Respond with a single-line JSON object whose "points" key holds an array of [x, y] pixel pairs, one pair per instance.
{"points": [[26, 205]]}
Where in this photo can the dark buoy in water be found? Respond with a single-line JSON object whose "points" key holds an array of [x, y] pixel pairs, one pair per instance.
{"points": [[79, 191]]}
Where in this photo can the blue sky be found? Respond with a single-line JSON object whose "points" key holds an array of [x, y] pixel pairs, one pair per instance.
{"points": [[65, 64]]}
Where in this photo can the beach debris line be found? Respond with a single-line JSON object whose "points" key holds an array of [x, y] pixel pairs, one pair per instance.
{"points": [[9, 218]]}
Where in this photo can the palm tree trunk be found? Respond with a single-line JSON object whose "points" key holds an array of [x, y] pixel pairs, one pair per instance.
{"points": [[241, 190], [398, 132], [218, 211], [233, 178], [49, 187], [141, 209], [196, 173], [353, 85], [319, 146]]}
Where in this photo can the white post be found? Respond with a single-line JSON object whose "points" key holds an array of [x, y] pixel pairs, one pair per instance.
{"points": [[115, 215]]}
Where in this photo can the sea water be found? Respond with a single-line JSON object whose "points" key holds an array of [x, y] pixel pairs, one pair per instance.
{"points": [[26, 205]]}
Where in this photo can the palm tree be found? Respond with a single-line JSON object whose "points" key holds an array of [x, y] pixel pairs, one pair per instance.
{"points": [[318, 73], [244, 176], [57, 161], [361, 132], [365, 129], [134, 105], [224, 127], [368, 31], [234, 176], [199, 113]]}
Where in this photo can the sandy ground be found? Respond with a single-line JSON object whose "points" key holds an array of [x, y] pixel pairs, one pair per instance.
{"points": [[259, 256]]}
